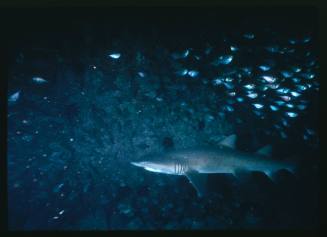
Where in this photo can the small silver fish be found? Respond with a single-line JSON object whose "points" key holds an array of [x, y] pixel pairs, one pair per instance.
{"points": [[217, 81], [285, 98], [180, 55], [114, 55], [269, 79], [273, 86], [182, 72], [279, 102], [249, 36], [229, 108], [229, 79], [208, 50], [233, 48], [197, 57], [258, 106], [247, 70], [273, 107], [141, 74], [208, 118], [258, 113], [239, 99], [288, 105], [308, 76], [301, 106], [291, 114], [296, 80], [39, 80], [252, 95], [296, 69], [273, 49], [224, 60], [249, 86], [14, 97], [193, 73], [292, 41], [306, 39], [265, 87], [285, 123], [229, 86], [57, 188], [310, 131], [283, 90], [283, 135], [295, 93], [286, 74], [159, 99], [264, 68]]}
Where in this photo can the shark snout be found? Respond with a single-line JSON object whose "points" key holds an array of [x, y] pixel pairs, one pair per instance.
{"points": [[139, 164]]}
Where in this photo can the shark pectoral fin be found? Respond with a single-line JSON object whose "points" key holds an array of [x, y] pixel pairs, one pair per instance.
{"points": [[198, 181], [270, 175]]}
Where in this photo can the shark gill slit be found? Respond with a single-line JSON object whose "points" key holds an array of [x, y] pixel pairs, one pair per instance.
{"points": [[177, 168]]}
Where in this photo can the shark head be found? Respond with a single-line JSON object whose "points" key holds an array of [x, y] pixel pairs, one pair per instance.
{"points": [[160, 166]]}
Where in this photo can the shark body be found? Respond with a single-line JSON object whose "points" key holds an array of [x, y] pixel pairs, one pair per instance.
{"points": [[194, 162]]}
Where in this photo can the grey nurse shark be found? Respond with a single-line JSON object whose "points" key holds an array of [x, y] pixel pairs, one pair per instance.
{"points": [[194, 163]]}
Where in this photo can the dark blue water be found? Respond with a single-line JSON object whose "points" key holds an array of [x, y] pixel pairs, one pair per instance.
{"points": [[89, 91]]}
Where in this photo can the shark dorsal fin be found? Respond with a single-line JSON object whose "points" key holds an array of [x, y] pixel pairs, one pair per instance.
{"points": [[265, 151], [229, 141], [198, 181]]}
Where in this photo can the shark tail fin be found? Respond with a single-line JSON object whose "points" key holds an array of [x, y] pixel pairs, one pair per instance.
{"points": [[293, 163]]}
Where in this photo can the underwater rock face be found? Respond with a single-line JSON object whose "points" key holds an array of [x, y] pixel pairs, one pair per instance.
{"points": [[82, 106]]}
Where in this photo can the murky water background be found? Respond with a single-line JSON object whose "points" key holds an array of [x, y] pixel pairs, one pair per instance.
{"points": [[91, 91]]}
